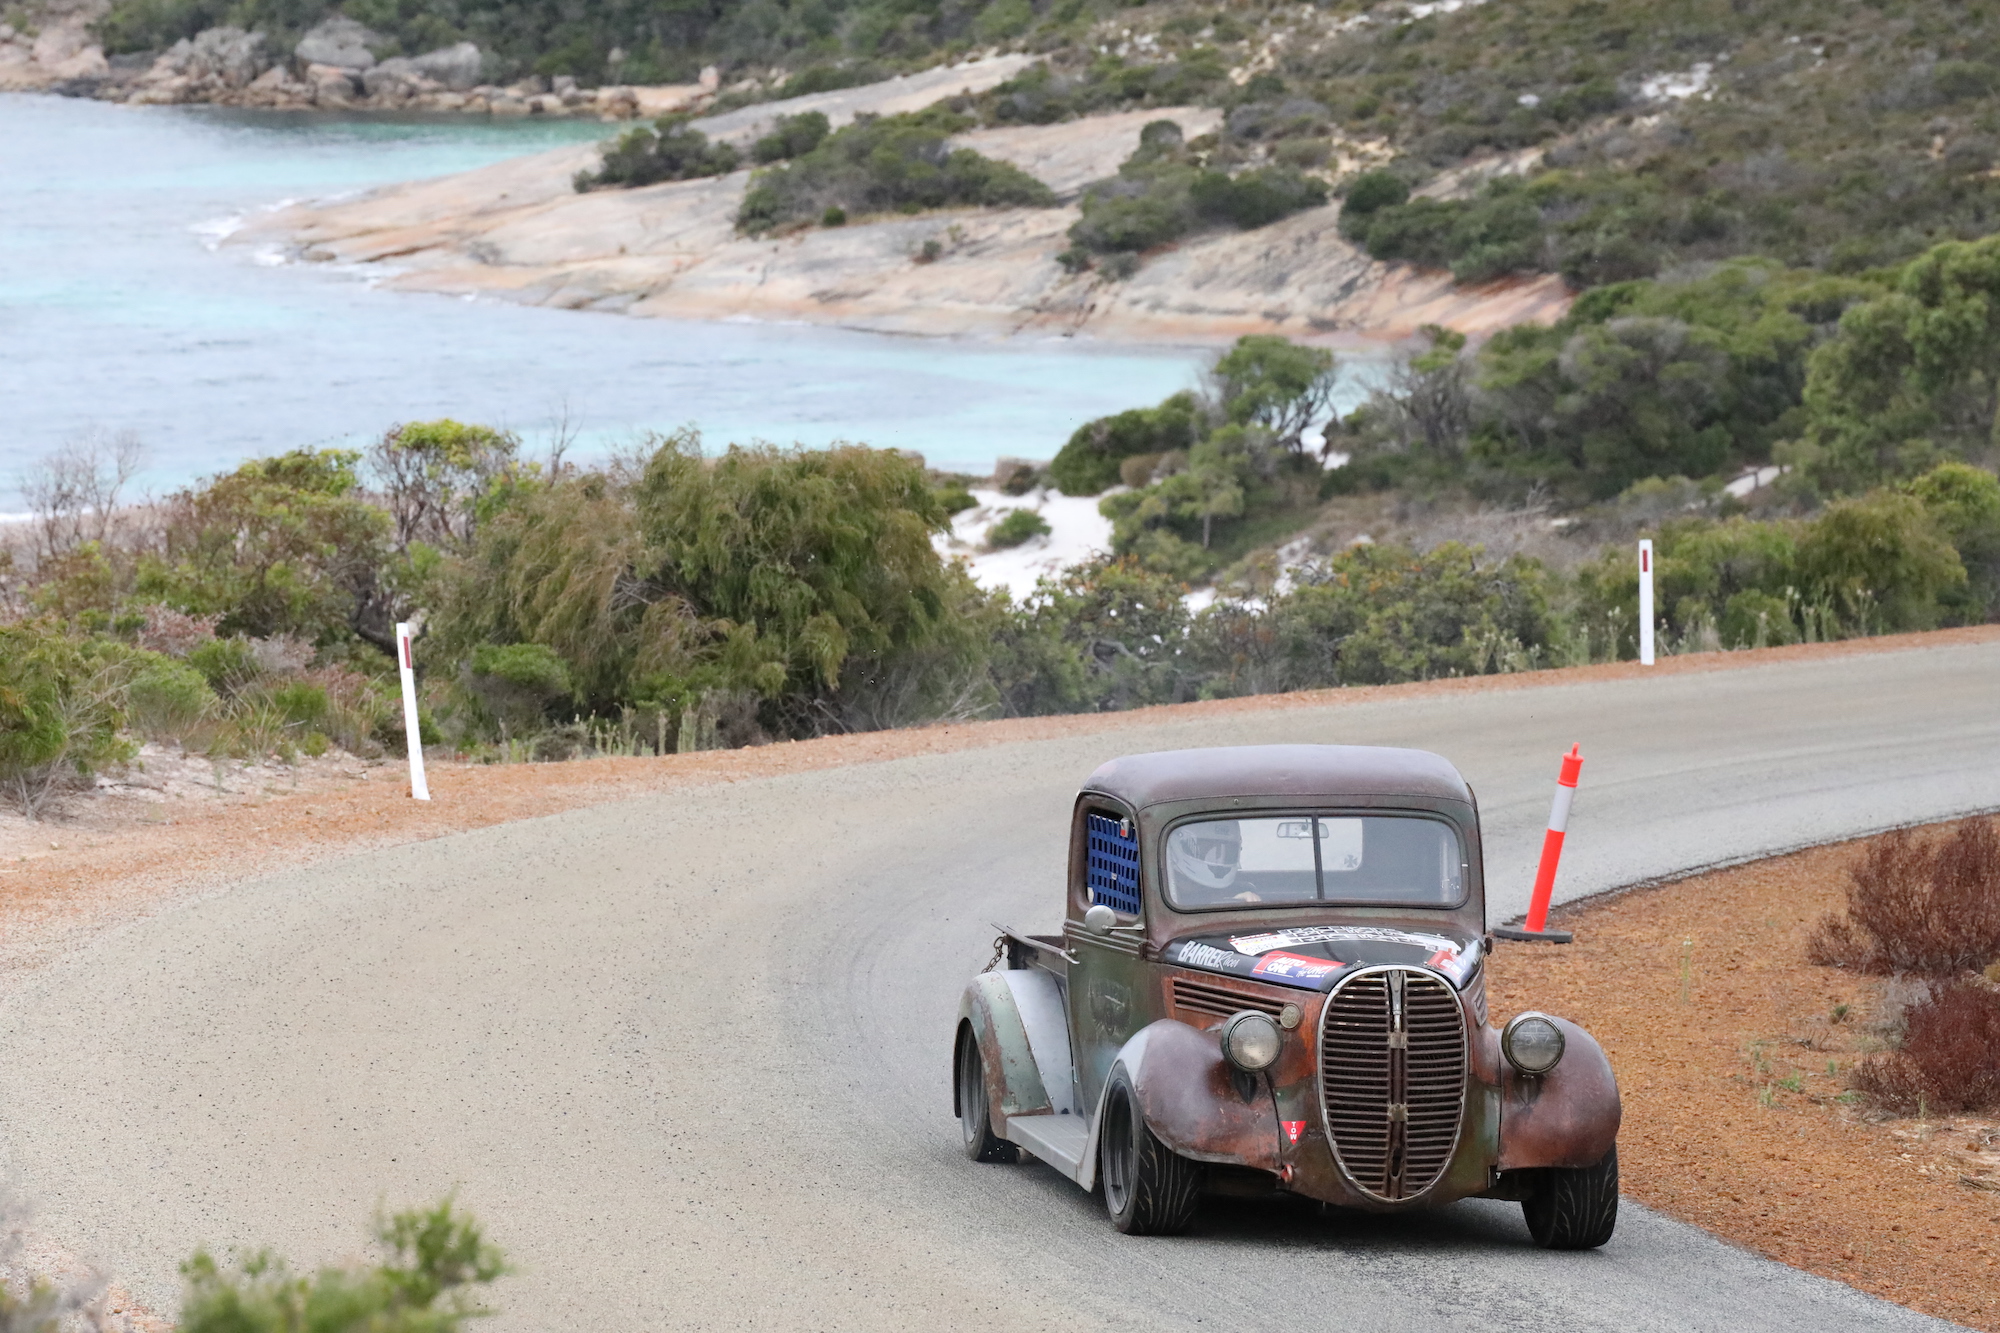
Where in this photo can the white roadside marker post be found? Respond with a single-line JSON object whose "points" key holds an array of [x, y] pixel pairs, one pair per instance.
{"points": [[1646, 602], [411, 731]]}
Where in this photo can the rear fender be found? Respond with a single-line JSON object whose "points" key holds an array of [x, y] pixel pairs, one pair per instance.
{"points": [[1566, 1117], [1017, 1017]]}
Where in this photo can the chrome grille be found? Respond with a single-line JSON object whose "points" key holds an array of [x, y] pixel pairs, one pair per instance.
{"points": [[1201, 998], [1392, 1078]]}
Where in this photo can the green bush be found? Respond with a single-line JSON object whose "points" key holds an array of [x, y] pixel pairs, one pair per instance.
{"points": [[1162, 193], [427, 1282], [228, 665], [886, 164], [168, 699], [286, 545], [1019, 526], [791, 136], [62, 706], [1088, 461], [672, 150]]}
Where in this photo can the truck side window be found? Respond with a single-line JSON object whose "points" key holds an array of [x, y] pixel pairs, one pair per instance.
{"points": [[1112, 863]]}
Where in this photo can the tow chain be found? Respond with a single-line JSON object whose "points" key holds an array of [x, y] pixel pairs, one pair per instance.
{"points": [[999, 952]]}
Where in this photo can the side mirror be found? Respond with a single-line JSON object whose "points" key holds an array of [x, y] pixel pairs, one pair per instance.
{"points": [[1099, 919]]}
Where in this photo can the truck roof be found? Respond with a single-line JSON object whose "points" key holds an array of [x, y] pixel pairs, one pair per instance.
{"points": [[1310, 772]]}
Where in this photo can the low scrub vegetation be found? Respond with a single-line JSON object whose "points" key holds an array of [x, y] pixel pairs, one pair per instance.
{"points": [[672, 150], [885, 164], [1928, 909], [434, 1264], [1168, 189]]}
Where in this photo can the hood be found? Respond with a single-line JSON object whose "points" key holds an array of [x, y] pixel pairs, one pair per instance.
{"points": [[1315, 957]]}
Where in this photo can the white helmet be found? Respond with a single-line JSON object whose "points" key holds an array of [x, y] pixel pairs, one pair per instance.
{"points": [[1206, 855]]}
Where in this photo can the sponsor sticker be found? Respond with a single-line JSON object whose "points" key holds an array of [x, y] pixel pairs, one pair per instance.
{"points": [[1196, 954], [1293, 1128], [1293, 966]]}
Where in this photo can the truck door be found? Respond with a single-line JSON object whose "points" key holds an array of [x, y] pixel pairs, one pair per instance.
{"points": [[1107, 984]]}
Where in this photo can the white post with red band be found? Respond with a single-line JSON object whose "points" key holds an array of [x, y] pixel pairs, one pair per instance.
{"points": [[411, 730], [1552, 841], [1646, 602]]}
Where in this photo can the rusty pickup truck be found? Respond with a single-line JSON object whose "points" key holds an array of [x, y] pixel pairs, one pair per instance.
{"points": [[1271, 979]]}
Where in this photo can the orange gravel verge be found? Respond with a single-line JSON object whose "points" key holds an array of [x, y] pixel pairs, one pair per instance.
{"points": [[1735, 1117]]}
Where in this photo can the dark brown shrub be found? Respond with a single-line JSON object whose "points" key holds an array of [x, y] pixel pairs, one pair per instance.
{"points": [[1928, 906], [1950, 1057]]}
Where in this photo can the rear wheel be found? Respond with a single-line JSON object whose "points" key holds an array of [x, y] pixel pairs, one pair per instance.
{"points": [[975, 1108], [1574, 1208], [1149, 1189]]}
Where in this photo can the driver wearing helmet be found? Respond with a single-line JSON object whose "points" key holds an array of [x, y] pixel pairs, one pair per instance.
{"points": [[1204, 858]]}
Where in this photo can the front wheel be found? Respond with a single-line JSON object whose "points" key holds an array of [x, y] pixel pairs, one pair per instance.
{"points": [[1574, 1208], [975, 1109], [1149, 1189]]}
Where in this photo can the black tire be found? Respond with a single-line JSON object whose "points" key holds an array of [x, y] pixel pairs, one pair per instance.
{"points": [[1149, 1189], [975, 1108], [1574, 1208]]}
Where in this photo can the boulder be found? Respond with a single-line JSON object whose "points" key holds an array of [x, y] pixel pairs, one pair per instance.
{"points": [[331, 85], [397, 79], [89, 63], [456, 67], [226, 58], [56, 44], [340, 43]]}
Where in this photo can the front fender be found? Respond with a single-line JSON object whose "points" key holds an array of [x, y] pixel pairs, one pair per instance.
{"points": [[1017, 1017], [1567, 1117], [1191, 1099]]}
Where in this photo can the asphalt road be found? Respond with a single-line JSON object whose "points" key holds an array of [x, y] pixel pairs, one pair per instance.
{"points": [[688, 1055]]}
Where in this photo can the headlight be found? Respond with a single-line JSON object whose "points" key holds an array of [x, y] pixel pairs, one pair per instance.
{"points": [[1251, 1041], [1533, 1043]]}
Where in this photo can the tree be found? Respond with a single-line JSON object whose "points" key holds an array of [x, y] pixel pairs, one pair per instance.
{"points": [[435, 473], [1275, 383], [284, 545], [1912, 373]]}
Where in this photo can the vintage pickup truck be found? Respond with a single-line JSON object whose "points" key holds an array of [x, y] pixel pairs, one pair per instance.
{"points": [[1271, 980]]}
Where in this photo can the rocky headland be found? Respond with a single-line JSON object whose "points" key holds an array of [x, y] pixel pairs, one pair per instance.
{"points": [[519, 231]]}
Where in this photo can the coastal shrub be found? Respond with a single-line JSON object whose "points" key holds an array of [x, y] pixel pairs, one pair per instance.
{"points": [[791, 136], [62, 710], [168, 699], [1949, 1058], [886, 164], [672, 150], [1105, 635], [1088, 461], [285, 545], [1018, 527], [518, 682], [434, 475], [1920, 904], [1161, 193], [1382, 614], [433, 1263], [1277, 384]]}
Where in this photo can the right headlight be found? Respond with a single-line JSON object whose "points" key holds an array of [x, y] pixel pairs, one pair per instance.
{"points": [[1533, 1043], [1251, 1041]]}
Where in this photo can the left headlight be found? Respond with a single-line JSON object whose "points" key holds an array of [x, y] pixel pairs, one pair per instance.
{"points": [[1533, 1043], [1251, 1041]]}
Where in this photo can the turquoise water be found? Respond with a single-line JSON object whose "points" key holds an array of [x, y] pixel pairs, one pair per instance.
{"points": [[116, 313]]}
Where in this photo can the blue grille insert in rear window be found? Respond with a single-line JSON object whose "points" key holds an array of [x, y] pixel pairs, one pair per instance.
{"points": [[1113, 864]]}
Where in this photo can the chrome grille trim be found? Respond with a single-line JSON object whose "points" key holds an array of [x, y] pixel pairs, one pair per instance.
{"points": [[1392, 1111]]}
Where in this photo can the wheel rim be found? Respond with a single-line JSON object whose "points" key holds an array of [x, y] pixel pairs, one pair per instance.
{"points": [[1118, 1152]]}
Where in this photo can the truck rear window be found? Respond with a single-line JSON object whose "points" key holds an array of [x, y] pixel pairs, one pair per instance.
{"points": [[1405, 860]]}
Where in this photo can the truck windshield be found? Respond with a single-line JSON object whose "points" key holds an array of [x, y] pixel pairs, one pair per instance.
{"points": [[1406, 860]]}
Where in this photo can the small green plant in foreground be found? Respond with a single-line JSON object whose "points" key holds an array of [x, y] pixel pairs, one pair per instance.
{"points": [[436, 1259], [1019, 526]]}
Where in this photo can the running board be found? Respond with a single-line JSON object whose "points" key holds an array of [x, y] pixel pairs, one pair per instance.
{"points": [[1063, 1141]]}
